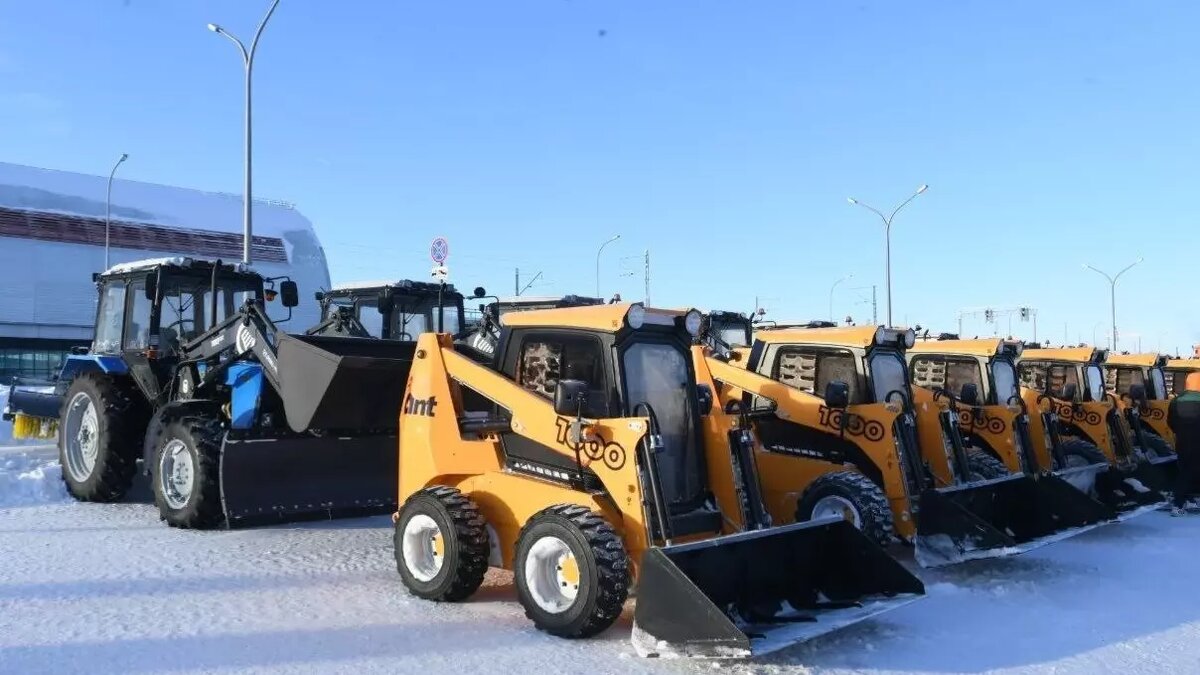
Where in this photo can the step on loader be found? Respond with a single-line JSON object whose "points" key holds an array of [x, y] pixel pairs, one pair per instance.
{"points": [[236, 422], [588, 457], [838, 427], [1078, 422]]}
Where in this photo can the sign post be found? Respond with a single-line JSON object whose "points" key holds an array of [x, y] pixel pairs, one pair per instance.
{"points": [[439, 250]]}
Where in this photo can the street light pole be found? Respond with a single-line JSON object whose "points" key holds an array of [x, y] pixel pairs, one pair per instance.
{"points": [[831, 289], [248, 62], [1112, 282], [887, 239], [598, 252], [108, 207]]}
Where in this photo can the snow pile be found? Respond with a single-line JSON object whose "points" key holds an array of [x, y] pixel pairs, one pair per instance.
{"points": [[30, 475]]}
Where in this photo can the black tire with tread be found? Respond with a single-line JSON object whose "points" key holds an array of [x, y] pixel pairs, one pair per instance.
{"points": [[603, 567], [121, 419], [202, 435], [464, 536], [986, 467], [1078, 447], [1155, 445], [874, 511]]}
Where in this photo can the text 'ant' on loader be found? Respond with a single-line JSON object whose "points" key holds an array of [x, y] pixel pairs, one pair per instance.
{"points": [[585, 454]]}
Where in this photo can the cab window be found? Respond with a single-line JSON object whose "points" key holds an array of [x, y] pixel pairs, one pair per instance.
{"points": [[109, 318], [1122, 379], [811, 371], [369, 316], [137, 318], [1050, 379], [946, 373], [546, 359]]}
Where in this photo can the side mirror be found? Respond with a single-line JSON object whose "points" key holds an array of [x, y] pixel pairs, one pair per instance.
{"points": [[969, 394], [837, 394], [570, 396], [1137, 392], [480, 292], [1070, 390], [151, 286], [319, 295], [290, 293], [704, 396]]}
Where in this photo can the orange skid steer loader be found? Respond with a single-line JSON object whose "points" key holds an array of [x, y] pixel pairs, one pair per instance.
{"points": [[972, 385], [1078, 424], [840, 436], [585, 454]]}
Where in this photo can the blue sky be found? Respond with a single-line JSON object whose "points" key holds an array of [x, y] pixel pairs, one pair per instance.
{"points": [[722, 136]]}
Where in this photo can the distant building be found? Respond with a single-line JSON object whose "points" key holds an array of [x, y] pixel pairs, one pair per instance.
{"points": [[52, 241]]}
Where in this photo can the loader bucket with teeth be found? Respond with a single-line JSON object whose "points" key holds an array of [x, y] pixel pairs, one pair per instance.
{"points": [[756, 592]]}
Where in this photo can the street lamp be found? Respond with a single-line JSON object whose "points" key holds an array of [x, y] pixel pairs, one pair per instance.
{"points": [[248, 62], [1112, 282], [108, 206], [887, 238], [598, 252], [831, 288]]}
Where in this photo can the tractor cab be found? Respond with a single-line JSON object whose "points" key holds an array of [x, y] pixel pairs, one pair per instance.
{"points": [[150, 310], [727, 332], [397, 310]]}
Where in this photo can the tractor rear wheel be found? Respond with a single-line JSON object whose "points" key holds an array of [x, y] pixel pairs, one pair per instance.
{"points": [[852, 496], [441, 544], [571, 571], [983, 466], [186, 473], [100, 429]]}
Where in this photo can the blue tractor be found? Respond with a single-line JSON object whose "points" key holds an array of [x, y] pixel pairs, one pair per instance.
{"points": [[235, 422]]}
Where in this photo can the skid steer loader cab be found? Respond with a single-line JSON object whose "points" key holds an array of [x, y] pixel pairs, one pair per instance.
{"points": [[865, 460], [1175, 374], [1140, 383], [588, 457], [396, 310], [1078, 420]]}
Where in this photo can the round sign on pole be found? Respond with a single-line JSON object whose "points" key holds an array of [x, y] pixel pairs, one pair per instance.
{"points": [[439, 250]]}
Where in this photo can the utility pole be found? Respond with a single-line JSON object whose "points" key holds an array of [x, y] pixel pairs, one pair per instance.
{"points": [[517, 281], [647, 278]]}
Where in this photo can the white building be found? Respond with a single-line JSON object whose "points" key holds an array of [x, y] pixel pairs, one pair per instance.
{"points": [[52, 241]]}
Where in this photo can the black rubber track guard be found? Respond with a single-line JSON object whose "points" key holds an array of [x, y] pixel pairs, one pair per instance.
{"points": [[751, 593], [307, 478], [1003, 516]]}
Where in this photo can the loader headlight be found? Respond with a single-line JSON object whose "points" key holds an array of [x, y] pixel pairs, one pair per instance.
{"points": [[636, 316], [880, 335], [910, 338], [692, 322]]}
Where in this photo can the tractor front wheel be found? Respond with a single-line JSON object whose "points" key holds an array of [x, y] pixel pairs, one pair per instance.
{"points": [[100, 430], [186, 473]]}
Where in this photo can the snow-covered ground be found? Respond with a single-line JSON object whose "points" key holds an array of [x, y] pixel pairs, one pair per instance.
{"points": [[107, 588]]}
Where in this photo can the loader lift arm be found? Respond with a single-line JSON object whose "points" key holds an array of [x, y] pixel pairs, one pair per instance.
{"points": [[249, 330]]}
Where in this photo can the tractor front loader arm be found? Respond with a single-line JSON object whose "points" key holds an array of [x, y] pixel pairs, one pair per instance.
{"points": [[247, 330]]}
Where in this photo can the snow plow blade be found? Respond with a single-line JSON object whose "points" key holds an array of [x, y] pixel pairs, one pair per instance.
{"points": [[755, 592], [342, 383], [266, 481], [1001, 517]]}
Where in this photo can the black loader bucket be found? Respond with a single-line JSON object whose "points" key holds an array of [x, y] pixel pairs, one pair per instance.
{"points": [[1133, 490], [1001, 517], [348, 384], [294, 478], [755, 592]]}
